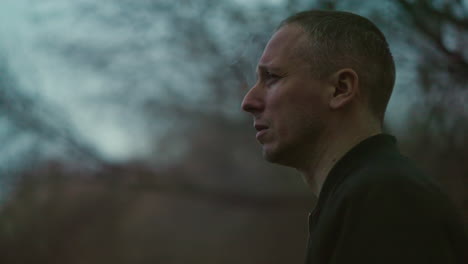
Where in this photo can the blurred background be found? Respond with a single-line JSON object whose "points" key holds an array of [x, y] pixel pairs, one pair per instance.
{"points": [[123, 140]]}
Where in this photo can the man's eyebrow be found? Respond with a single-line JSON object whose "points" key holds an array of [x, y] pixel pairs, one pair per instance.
{"points": [[268, 68]]}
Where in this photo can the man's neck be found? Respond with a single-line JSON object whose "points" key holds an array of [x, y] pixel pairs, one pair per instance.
{"points": [[329, 152]]}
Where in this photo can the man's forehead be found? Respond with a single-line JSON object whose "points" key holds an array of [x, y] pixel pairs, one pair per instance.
{"points": [[283, 45]]}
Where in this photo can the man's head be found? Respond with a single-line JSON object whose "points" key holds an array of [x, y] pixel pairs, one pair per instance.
{"points": [[344, 40], [320, 68]]}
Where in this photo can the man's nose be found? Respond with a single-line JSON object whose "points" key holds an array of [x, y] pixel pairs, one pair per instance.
{"points": [[253, 101]]}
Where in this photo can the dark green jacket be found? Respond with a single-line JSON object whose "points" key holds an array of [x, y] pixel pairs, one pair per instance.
{"points": [[377, 207]]}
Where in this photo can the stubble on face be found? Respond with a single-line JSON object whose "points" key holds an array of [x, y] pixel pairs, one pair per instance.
{"points": [[294, 106], [294, 141]]}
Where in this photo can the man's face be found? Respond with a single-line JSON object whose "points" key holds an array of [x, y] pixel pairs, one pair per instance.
{"points": [[289, 106]]}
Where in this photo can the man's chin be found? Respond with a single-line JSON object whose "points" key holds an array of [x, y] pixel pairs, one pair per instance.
{"points": [[278, 156], [272, 155]]}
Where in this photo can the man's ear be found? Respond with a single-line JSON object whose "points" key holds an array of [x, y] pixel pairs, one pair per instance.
{"points": [[346, 87]]}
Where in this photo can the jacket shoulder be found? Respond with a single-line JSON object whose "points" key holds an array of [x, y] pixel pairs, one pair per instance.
{"points": [[395, 179], [389, 171]]}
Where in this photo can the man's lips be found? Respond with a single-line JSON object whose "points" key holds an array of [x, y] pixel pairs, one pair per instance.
{"points": [[260, 127], [260, 133], [261, 130]]}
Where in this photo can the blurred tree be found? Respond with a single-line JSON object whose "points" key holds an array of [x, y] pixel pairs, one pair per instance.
{"points": [[439, 126], [32, 131]]}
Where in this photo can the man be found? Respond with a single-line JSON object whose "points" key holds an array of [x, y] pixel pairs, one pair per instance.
{"points": [[324, 81]]}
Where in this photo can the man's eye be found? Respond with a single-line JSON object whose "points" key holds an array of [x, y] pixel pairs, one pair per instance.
{"points": [[272, 75]]}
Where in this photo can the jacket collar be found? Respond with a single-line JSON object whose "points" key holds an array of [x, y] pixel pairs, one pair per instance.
{"points": [[352, 160]]}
